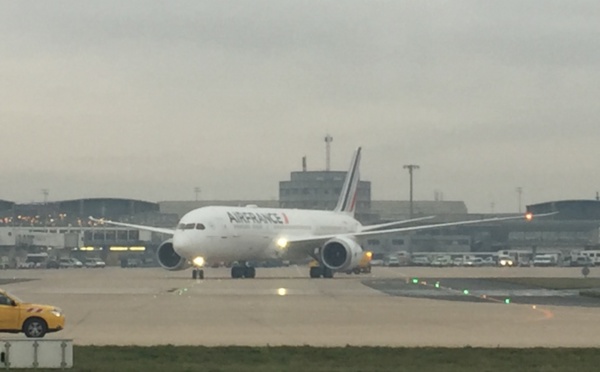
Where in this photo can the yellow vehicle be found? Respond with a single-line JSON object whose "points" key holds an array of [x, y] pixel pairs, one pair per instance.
{"points": [[33, 320], [364, 266]]}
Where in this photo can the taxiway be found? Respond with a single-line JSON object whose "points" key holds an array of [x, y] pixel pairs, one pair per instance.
{"points": [[116, 306]]}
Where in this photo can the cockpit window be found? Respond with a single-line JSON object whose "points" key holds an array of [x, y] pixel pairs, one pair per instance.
{"points": [[181, 226], [189, 226], [200, 226]]}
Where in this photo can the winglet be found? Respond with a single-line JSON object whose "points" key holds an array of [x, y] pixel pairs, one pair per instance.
{"points": [[347, 200]]}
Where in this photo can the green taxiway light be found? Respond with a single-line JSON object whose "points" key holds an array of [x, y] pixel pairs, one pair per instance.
{"points": [[466, 291], [415, 280], [507, 300], [437, 284]]}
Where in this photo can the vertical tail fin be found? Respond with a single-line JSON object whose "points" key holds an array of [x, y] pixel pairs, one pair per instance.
{"points": [[347, 201]]}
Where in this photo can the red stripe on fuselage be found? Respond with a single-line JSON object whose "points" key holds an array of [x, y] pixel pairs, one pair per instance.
{"points": [[285, 218]]}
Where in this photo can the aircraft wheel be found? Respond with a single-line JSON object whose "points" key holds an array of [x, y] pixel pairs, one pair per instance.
{"points": [[249, 272], [237, 272], [327, 273], [316, 272]]}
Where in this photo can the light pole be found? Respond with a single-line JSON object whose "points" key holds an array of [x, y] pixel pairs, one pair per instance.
{"points": [[197, 192], [410, 168], [520, 193]]}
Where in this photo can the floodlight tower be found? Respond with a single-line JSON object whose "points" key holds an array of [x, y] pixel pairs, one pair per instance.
{"points": [[328, 140], [410, 168]]}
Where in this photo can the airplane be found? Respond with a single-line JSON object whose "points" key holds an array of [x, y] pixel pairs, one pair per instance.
{"points": [[244, 234]]}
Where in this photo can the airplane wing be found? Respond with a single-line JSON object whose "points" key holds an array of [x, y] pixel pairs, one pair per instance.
{"points": [[311, 242], [139, 227], [395, 223]]}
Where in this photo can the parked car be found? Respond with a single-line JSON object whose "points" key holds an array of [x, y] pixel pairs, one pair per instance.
{"points": [[474, 262], [131, 262], [582, 261], [32, 319], [94, 262], [25, 265], [65, 263], [378, 262], [441, 261], [52, 264], [419, 261], [458, 261], [488, 261], [393, 261]]}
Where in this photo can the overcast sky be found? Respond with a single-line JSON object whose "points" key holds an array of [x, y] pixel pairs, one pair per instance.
{"points": [[148, 99]]}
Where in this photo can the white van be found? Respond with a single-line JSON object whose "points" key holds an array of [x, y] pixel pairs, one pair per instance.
{"points": [[34, 261]]}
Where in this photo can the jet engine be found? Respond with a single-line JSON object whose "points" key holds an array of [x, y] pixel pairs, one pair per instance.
{"points": [[169, 259], [341, 253]]}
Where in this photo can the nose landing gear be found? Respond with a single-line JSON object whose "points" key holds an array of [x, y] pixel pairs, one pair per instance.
{"points": [[197, 273]]}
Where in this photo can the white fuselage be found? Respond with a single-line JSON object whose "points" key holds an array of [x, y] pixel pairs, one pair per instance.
{"points": [[250, 233]]}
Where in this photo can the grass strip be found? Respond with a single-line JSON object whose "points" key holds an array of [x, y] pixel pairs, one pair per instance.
{"points": [[305, 358]]}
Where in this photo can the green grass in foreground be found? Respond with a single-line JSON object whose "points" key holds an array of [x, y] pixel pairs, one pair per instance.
{"points": [[555, 283], [191, 358]]}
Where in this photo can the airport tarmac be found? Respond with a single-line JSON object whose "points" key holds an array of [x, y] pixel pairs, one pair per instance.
{"points": [[282, 306]]}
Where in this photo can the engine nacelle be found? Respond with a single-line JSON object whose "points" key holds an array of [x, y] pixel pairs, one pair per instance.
{"points": [[341, 254], [169, 259]]}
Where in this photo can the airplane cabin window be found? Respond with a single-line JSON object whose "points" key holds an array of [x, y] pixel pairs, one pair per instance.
{"points": [[200, 226]]}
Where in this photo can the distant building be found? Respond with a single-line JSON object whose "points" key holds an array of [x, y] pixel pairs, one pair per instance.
{"points": [[5, 205], [320, 190], [400, 209]]}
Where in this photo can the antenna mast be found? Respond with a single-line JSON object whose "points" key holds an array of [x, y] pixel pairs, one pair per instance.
{"points": [[328, 140]]}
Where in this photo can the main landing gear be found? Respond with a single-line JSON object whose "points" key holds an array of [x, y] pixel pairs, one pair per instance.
{"points": [[243, 271], [321, 271], [197, 273]]}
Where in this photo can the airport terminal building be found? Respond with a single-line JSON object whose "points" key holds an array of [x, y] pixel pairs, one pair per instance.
{"points": [[63, 229], [64, 226]]}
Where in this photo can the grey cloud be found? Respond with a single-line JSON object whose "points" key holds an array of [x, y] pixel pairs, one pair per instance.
{"points": [[174, 95]]}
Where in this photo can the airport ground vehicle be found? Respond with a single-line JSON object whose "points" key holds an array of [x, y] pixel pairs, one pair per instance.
{"points": [[364, 266], [545, 260], [94, 262], [506, 261], [593, 255], [32, 319], [515, 257], [33, 260]]}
